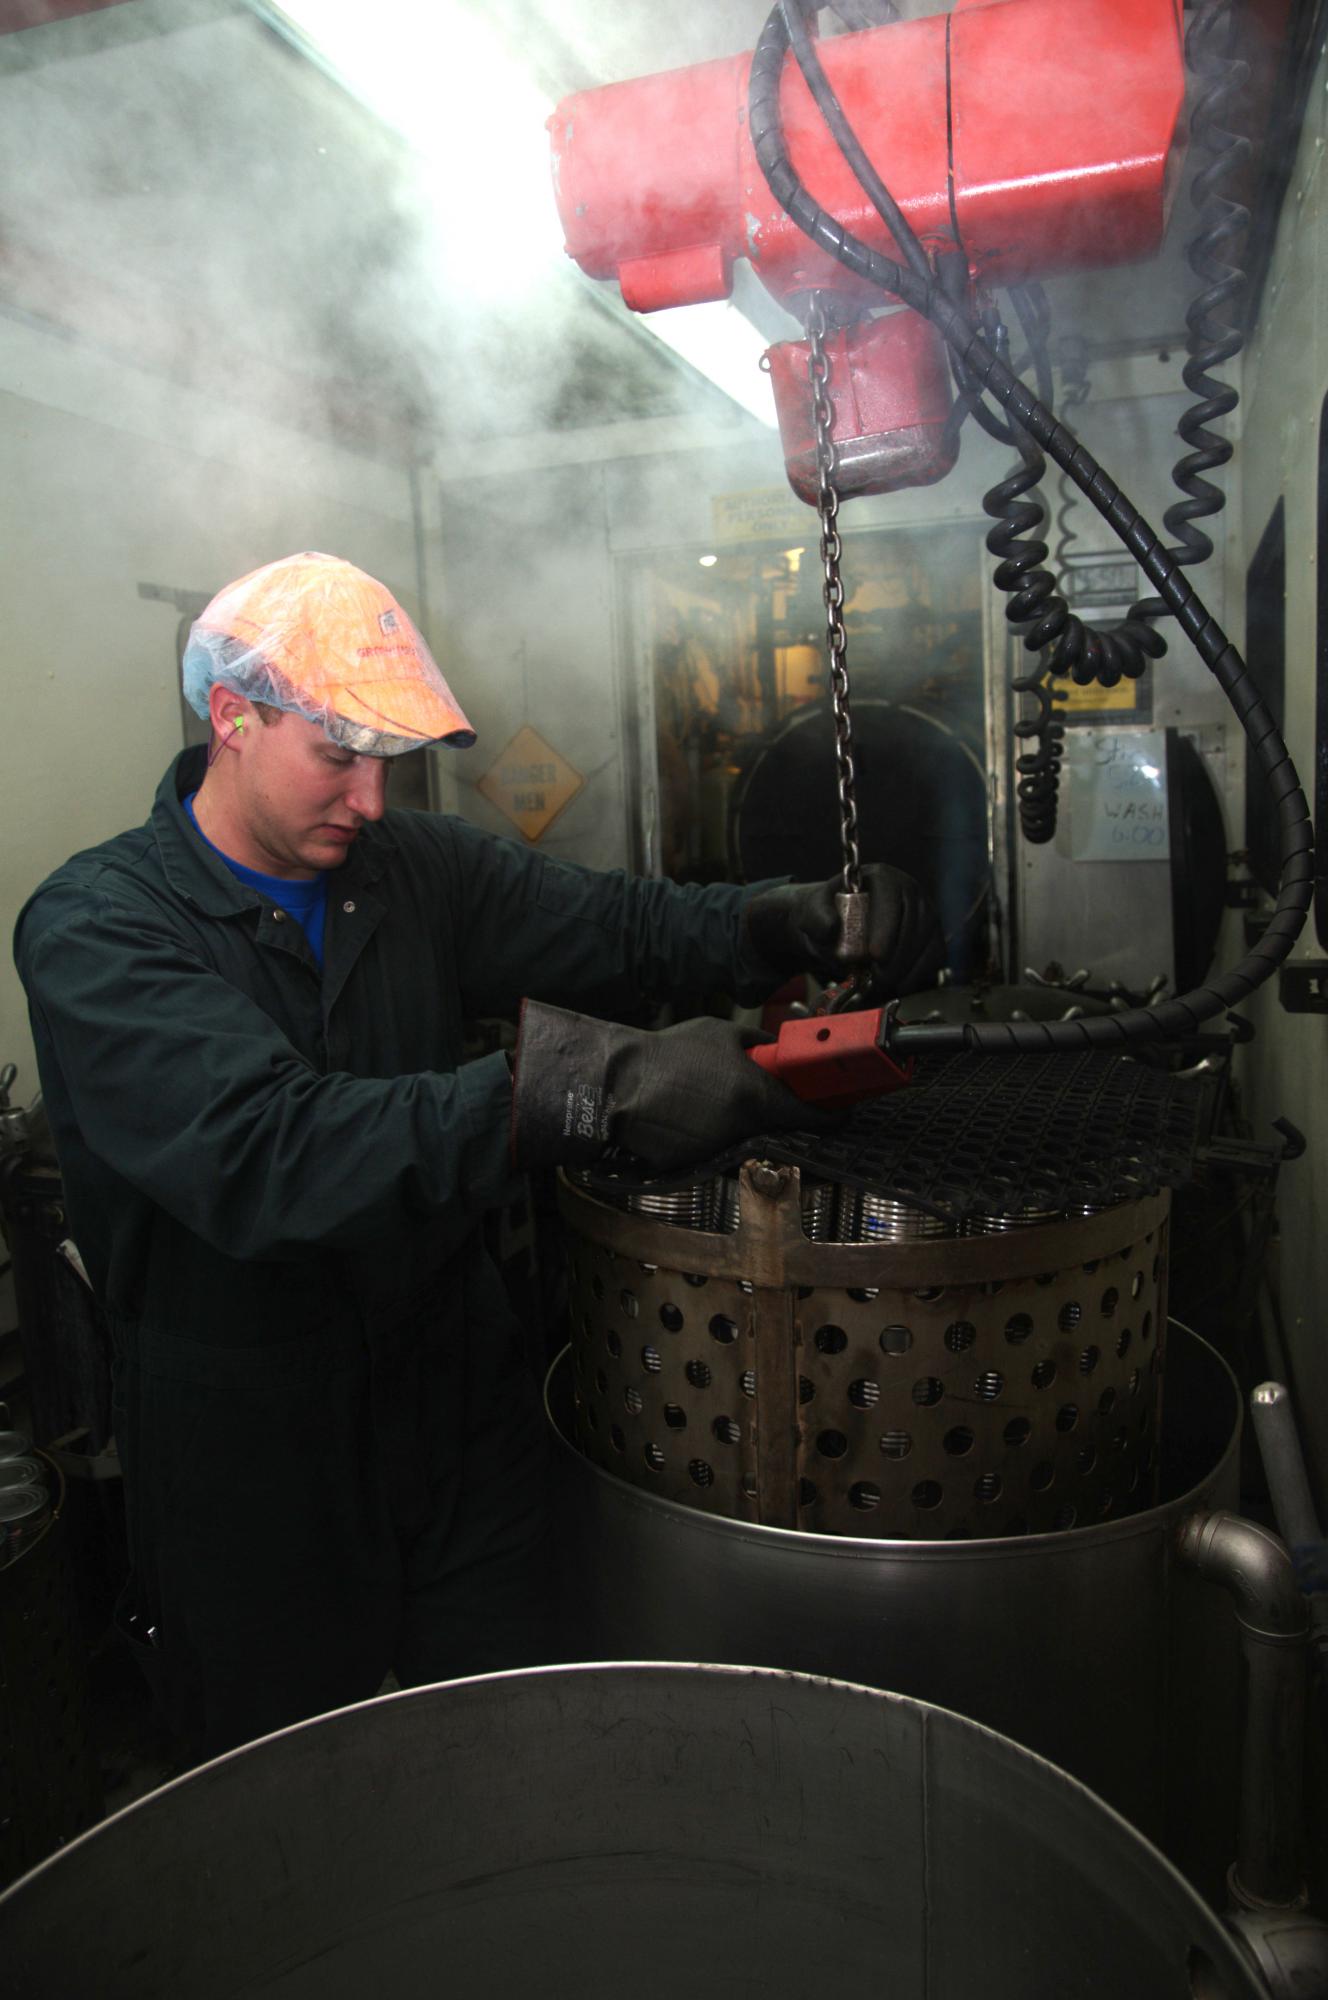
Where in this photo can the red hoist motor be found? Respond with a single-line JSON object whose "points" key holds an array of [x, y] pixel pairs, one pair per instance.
{"points": [[1026, 136]]}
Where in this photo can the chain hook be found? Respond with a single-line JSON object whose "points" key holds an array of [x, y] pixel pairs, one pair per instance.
{"points": [[851, 902]]}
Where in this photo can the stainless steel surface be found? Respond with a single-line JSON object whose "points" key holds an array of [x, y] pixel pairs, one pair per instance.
{"points": [[818, 1207], [1284, 1463], [874, 1218], [713, 1205], [852, 911], [1253, 1566], [589, 1832], [726, 1208], [1096, 1646], [818, 1210], [1290, 1952], [692, 1207], [910, 1387], [1297, 1518], [1002, 1223]]}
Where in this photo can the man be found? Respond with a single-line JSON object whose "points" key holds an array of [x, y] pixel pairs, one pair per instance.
{"points": [[248, 1019]]}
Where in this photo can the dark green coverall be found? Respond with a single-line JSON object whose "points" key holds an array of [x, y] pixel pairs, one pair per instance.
{"points": [[332, 1452]]}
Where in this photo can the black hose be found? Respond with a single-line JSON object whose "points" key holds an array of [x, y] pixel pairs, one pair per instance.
{"points": [[1084, 653], [1034, 316], [1038, 723], [1185, 1013], [1041, 730], [794, 26], [1066, 647], [952, 275], [1016, 504], [1215, 338]]}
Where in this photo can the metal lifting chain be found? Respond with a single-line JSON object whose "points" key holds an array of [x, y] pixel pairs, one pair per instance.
{"points": [[852, 902]]}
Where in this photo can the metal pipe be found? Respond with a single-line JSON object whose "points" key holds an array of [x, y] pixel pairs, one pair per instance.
{"points": [[1284, 1463], [1255, 1569], [1293, 1505], [1270, 1328], [1289, 1950]]}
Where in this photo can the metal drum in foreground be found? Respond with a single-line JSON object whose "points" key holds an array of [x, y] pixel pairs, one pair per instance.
{"points": [[592, 1832], [1096, 1646]]}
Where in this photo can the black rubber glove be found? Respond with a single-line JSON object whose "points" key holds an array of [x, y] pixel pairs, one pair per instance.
{"points": [[796, 929], [671, 1097]]}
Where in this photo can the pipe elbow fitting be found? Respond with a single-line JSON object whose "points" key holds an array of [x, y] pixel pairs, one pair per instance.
{"points": [[1253, 1566]]}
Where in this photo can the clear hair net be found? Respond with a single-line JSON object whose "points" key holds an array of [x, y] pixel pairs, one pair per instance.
{"points": [[315, 636]]}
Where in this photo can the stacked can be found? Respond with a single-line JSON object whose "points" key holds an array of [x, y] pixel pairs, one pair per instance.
{"points": [[818, 1208], [1030, 1216], [874, 1218], [713, 1205], [686, 1207]]}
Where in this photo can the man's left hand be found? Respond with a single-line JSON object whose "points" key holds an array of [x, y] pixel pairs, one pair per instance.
{"points": [[796, 928]]}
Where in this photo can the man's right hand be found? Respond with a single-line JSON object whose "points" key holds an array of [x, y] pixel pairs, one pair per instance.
{"points": [[671, 1097]]}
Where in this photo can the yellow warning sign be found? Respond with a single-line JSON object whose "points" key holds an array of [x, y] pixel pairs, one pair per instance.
{"points": [[530, 783], [1094, 700], [765, 514]]}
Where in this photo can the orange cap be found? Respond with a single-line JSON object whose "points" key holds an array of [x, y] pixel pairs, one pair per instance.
{"points": [[315, 635]]}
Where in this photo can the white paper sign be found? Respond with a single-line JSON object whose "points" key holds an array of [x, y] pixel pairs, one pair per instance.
{"points": [[1117, 794]]}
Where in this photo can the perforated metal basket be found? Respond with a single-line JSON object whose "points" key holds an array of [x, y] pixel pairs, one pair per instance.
{"points": [[903, 1386]]}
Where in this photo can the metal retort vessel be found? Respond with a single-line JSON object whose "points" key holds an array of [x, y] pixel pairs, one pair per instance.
{"points": [[809, 1424]]}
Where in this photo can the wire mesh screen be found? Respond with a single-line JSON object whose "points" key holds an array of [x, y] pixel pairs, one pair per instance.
{"points": [[998, 1138]]}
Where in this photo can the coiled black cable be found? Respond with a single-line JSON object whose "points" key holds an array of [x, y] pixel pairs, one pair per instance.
{"points": [[1084, 653], [1075, 391], [1016, 504], [952, 271], [1038, 799], [1185, 1013], [1215, 337], [1066, 647], [1038, 724]]}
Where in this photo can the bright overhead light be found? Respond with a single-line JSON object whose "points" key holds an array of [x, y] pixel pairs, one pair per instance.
{"points": [[485, 156], [722, 344], [483, 148], [707, 562]]}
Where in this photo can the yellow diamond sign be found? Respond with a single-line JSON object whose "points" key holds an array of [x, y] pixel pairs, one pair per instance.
{"points": [[531, 783]]}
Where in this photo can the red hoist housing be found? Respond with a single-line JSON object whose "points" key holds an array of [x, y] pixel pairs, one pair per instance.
{"points": [[1034, 136]]}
